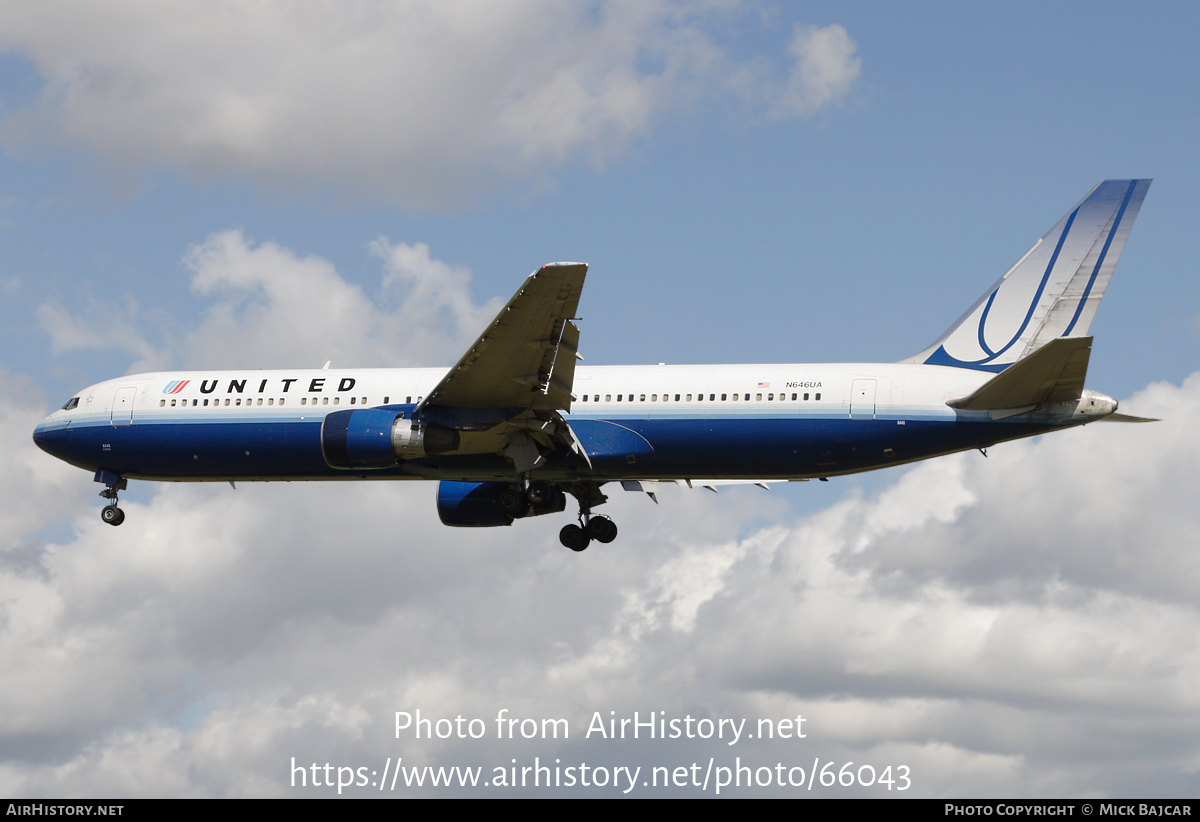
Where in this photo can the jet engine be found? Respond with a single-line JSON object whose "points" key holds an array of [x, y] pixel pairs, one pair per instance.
{"points": [[374, 438], [487, 504]]}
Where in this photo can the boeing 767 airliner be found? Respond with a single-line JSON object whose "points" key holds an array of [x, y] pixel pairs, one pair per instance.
{"points": [[514, 426]]}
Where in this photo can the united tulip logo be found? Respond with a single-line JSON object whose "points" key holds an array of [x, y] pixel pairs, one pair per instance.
{"points": [[176, 386]]}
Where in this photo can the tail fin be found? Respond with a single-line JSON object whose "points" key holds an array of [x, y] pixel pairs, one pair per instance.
{"points": [[1052, 292]]}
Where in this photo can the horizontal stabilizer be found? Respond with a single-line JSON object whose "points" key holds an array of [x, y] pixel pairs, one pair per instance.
{"points": [[1128, 418], [1053, 373]]}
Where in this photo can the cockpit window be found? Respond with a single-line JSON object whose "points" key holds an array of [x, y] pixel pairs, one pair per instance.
{"points": [[71, 403]]}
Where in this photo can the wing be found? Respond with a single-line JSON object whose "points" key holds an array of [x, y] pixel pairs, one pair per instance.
{"points": [[505, 394], [525, 358]]}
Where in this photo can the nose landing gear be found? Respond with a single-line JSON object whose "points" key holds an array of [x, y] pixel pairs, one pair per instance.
{"points": [[111, 514]]}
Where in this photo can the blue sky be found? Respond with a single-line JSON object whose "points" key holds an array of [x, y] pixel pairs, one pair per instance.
{"points": [[727, 217]]}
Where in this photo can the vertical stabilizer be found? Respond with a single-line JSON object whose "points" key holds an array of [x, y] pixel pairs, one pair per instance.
{"points": [[1052, 292]]}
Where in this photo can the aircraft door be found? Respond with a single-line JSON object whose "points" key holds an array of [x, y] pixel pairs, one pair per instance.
{"points": [[122, 408], [862, 400]]}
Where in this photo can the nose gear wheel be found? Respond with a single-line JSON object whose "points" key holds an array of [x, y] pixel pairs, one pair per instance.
{"points": [[111, 514]]}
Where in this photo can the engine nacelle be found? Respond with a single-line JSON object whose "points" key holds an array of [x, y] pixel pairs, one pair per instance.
{"points": [[472, 504], [374, 438], [483, 504]]}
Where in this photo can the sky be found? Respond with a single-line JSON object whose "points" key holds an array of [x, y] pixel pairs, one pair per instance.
{"points": [[228, 185]]}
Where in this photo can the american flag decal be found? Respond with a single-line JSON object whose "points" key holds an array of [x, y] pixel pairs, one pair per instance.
{"points": [[764, 385]]}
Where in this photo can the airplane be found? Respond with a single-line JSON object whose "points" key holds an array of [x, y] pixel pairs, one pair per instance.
{"points": [[515, 426]]}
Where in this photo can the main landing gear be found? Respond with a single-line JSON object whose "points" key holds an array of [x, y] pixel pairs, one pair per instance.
{"points": [[111, 514], [590, 527], [579, 537]]}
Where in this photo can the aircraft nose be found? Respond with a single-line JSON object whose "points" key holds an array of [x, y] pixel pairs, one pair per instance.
{"points": [[47, 435], [40, 436]]}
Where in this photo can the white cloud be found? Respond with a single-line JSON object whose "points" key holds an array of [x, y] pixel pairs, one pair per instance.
{"points": [[421, 103], [274, 309], [826, 68], [26, 474], [99, 326]]}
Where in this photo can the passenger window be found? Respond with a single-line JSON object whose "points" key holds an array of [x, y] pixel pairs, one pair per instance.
{"points": [[282, 400], [335, 400], [712, 397], [408, 400], [362, 401], [324, 400], [641, 398], [758, 397], [677, 398], [352, 400], [793, 396], [806, 397], [608, 397], [271, 401], [238, 401], [259, 401], [722, 398], [161, 403], [689, 397], [385, 400], [818, 397], [172, 403], [772, 396], [619, 396], [303, 400], [654, 397], [206, 403]]}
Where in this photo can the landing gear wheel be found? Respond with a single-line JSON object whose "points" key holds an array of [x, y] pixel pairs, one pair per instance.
{"points": [[111, 513], [573, 537], [601, 529]]}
